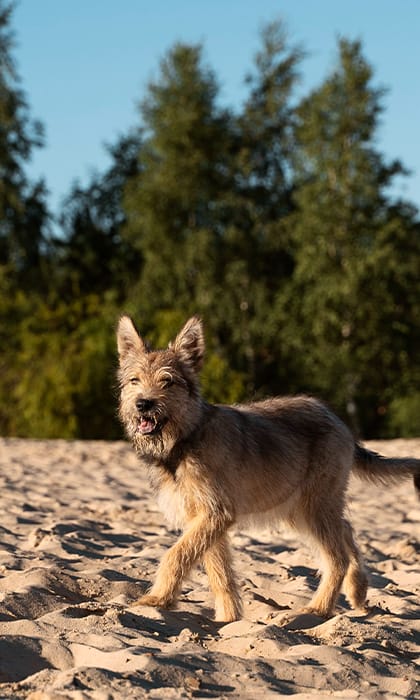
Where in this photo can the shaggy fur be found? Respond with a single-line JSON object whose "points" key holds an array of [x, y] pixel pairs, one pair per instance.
{"points": [[210, 466]]}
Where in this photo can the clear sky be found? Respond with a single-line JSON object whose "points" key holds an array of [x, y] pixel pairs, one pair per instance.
{"points": [[85, 65]]}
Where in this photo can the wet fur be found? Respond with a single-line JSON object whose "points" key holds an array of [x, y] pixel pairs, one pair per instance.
{"points": [[285, 459]]}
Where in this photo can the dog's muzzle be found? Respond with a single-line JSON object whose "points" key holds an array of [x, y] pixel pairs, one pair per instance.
{"points": [[149, 421]]}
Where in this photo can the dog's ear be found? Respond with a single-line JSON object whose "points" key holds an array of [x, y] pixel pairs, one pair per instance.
{"points": [[128, 340], [189, 344]]}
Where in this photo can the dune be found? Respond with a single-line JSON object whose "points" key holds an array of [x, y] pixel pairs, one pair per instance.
{"points": [[81, 537]]}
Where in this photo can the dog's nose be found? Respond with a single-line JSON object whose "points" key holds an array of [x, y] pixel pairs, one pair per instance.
{"points": [[144, 405]]}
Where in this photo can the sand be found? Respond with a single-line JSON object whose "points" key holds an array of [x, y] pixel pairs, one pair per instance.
{"points": [[81, 537]]}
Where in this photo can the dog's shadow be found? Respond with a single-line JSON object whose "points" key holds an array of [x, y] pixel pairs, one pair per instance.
{"points": [[172, 623]]}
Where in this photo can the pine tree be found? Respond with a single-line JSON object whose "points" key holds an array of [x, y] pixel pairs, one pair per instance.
{"points": [[259, 261], [209, 207], [349, 327], [23, 211], [172, 207], [92, 256], [23, 220]]}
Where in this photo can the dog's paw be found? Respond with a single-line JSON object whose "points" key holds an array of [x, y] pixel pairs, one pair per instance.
{"points": [[153, 601]]}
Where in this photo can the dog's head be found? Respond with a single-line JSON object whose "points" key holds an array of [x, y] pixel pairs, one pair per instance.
{"points": [[159, 392]]}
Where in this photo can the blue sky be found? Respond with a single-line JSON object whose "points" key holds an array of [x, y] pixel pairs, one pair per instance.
{"points": [[85, 65]]}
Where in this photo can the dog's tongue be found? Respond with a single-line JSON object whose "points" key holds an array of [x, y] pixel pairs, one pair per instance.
{"points": [[146, 425]]}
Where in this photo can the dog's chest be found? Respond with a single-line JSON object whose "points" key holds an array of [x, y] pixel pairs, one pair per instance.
{"points": [[174, 496], [171, 502]]}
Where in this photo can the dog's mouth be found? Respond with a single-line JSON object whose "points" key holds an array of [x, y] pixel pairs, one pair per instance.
{"points": [[149, 425]]}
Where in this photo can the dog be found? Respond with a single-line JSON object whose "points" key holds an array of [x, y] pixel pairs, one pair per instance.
{"points": [[283, 459]]}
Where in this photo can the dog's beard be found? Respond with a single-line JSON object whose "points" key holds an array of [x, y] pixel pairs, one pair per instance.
{"points": [[151, 433], [155, 433], [149, 425]]}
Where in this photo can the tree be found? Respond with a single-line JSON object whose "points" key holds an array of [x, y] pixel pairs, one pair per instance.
{"points": [[92, 256], [63, 358], [173, 206], [23, 211], [207, 211], [60, 374], [350, 321], [23, 221], [275, 223], [259, 261]]}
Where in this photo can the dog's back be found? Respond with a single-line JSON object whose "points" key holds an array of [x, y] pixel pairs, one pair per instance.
{"points": [[264, 455]]}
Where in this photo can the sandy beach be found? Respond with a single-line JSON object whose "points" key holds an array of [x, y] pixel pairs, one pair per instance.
{"points": [[81, 537]]}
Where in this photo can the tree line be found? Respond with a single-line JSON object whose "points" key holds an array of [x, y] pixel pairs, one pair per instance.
{"points": [[275, 221]]}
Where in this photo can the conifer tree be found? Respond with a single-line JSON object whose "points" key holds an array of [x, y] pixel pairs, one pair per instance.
{"points": [[177, 209], [23, 220], [259, 262], [207, 211], [350, 326], [23, 212], [172, 207], [92, 256]]}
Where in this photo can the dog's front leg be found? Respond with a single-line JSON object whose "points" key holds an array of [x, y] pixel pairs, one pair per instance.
{"points": [[202, 533], [218, 565]]}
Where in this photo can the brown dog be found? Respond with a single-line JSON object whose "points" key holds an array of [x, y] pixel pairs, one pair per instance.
{"points": [[285, 459]]}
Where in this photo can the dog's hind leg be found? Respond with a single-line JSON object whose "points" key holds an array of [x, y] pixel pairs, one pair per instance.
{"points": [[327, 532], [355, 581], [218, 565]]}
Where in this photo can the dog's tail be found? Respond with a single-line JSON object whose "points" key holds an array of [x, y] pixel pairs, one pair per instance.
{"points": [[385, 470]]}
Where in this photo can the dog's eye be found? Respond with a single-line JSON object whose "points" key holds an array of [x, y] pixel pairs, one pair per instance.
{"points": [[168, 383], [134, 380]]}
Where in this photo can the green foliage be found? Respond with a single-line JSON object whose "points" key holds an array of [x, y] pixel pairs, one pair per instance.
{"points": [[173, 205], [61, 372], [13, 310], [92, 257], [404, 415], [257, 257], [275, 223], [219, 382], [354, 289]]}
